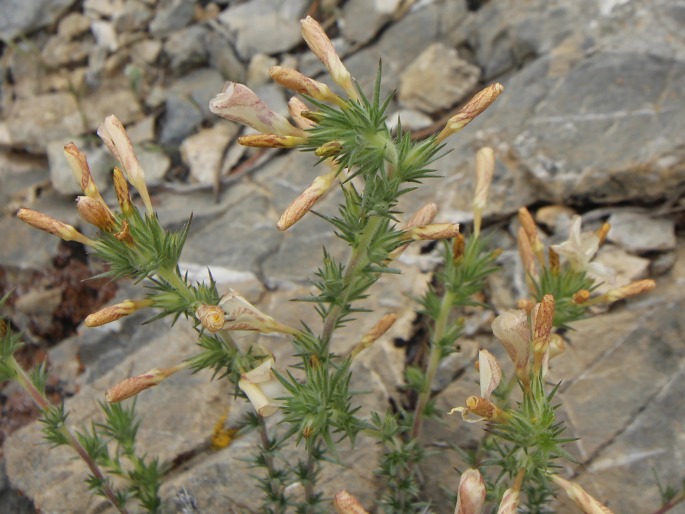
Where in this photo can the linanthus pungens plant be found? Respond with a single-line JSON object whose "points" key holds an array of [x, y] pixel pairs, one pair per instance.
{"points": [[373, 168]]}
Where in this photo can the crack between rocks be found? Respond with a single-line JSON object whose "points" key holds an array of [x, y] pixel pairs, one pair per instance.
{"points": [[632, 420]]}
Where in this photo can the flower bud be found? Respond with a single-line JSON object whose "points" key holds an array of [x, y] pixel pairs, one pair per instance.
{"points": [[377, 331], [239, 103], [510, 502], [212, 317], [51, 225], [271, 141], [79, 167], [485, 169], [345, 503], [581, 296], [603, 232], [580, 497], [527, 255], [531, 230], [632, 289], [134, 385], [115, 312], [318, 42], [554, 264], [330, 149], [542, 320], [303, 203], [296, 81], [122, 191], [434, 231], [471, 495], [481, 101], [95, 213], [422, 217], [296, 107]]}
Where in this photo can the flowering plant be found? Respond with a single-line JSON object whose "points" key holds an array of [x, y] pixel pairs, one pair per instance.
{"points": [[373, 168]]}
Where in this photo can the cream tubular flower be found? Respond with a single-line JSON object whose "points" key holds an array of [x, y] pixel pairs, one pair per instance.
{"points": [[262, 387], [579, 249], [490, 373], [52, 226], [113, 133], [512, 330], [303, 203], [580, 497], [510, 502], [242, 315], [239, 103], [481, 406], [318, 42], [471, 495]]}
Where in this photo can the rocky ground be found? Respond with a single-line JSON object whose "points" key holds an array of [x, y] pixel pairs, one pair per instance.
{"points": [[592, 121]]}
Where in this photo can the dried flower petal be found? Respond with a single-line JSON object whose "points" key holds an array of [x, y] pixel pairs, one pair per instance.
{"points": [[95, 213], [485, 169], [296, 81], [115, 312], [212, 317], [262, 387]]}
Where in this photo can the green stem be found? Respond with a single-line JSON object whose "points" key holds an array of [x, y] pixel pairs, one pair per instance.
{"points": [[356, 262], [177, 282], [434, 358], [42, 402], [276, 489]]}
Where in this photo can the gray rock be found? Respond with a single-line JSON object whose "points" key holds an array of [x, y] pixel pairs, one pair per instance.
{"points": [[19, 17], [170, 16], [436, 80], [203, 152], [103, 8], [410, 120], [135, 15], [223, 57], [187, 48], [187, 104], [361, 20], [278, 22], [60, 51], [640, 233], [154, 162], [73, 25], [100, 162], [105, 35]]}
